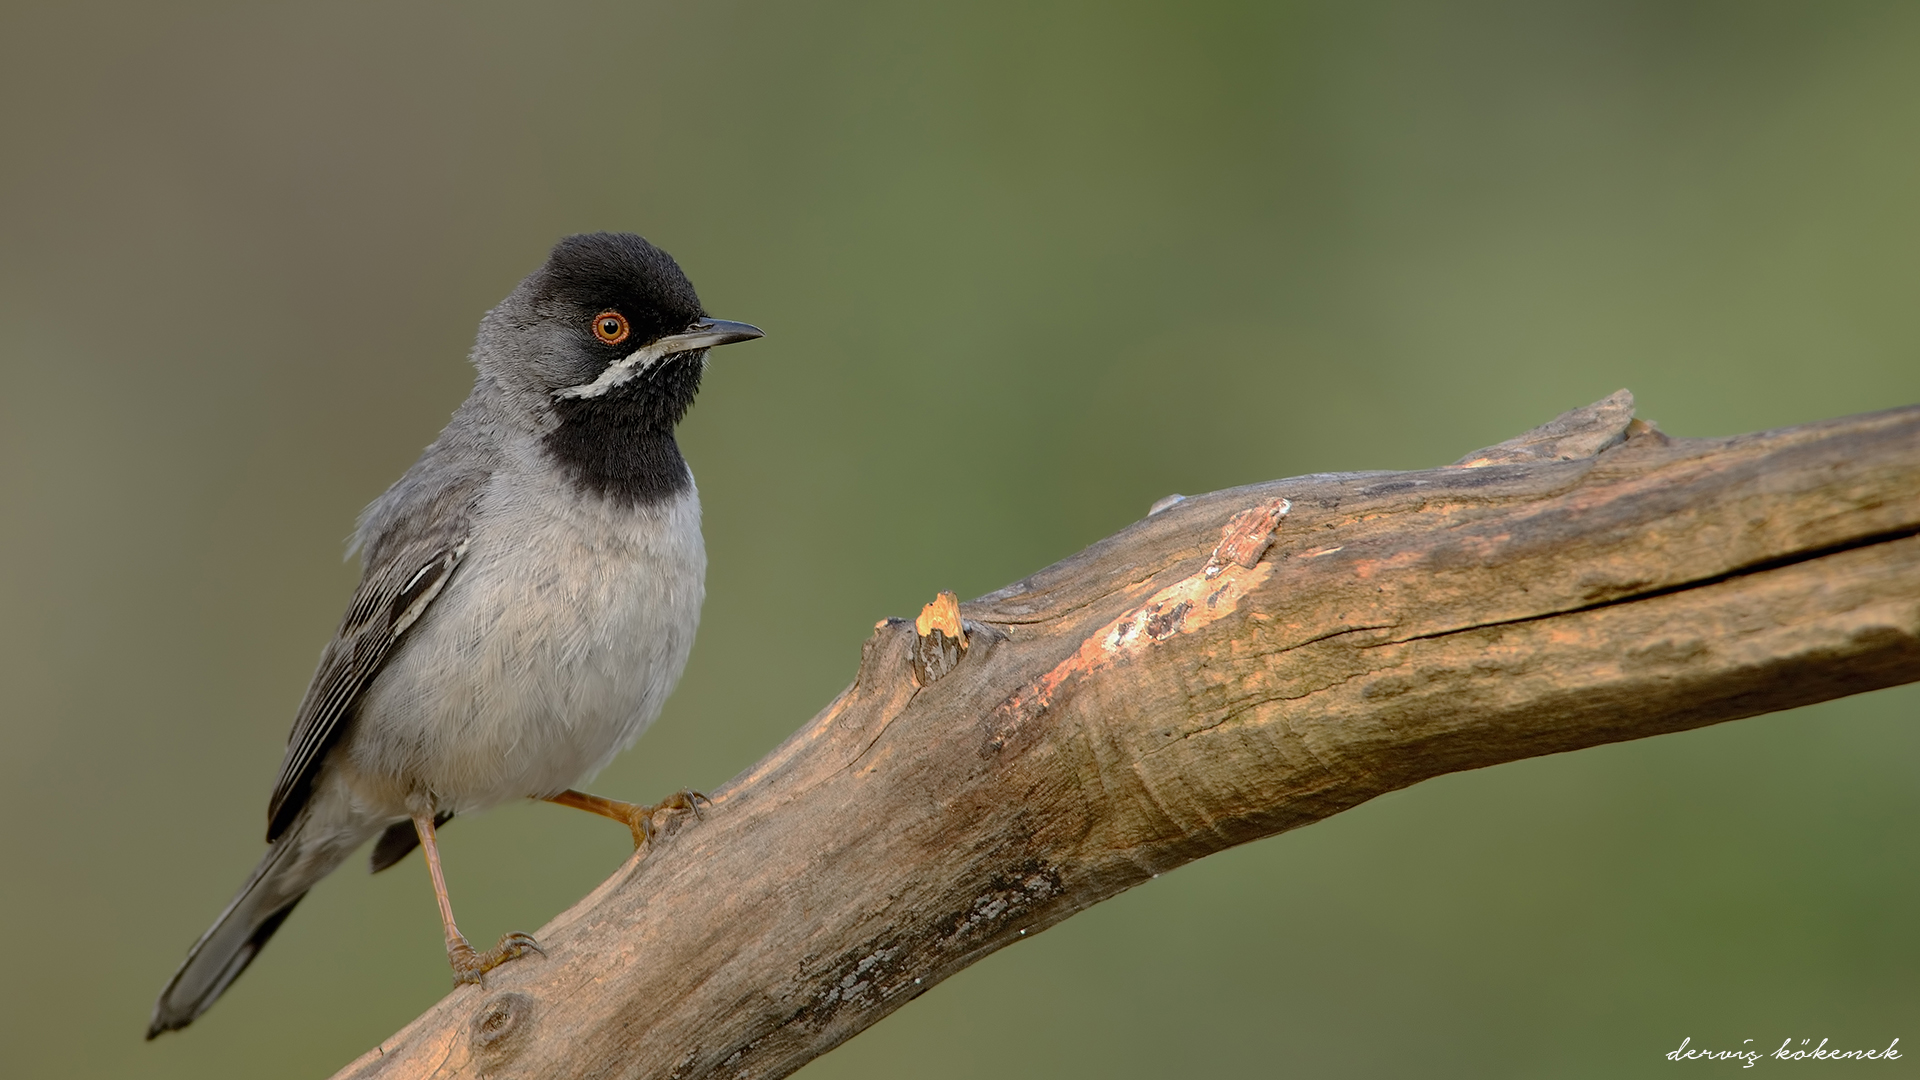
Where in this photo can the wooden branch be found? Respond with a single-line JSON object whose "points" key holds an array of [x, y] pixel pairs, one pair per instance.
{"points": [[1183, 687]]}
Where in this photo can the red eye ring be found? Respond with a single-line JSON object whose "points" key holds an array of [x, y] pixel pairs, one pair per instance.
{"points": [[611, 327]]}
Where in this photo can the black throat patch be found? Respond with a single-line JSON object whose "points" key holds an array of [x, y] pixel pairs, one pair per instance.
{"points": [[619, 446]]}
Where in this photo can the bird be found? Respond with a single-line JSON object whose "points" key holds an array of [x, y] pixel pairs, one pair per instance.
{"points": [[529, 594]]}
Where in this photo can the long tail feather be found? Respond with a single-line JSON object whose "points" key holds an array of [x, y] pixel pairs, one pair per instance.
{"points": [[291, 867]]}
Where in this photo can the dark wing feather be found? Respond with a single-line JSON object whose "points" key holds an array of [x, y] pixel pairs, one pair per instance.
{"points": [[404, 574]]}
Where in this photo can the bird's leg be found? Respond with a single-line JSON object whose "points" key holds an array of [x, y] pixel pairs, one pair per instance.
{"points": [[468, 965], [633, 815]]}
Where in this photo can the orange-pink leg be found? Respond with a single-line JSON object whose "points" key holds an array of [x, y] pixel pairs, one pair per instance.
{"points": [[468, 965], [633, 815]]}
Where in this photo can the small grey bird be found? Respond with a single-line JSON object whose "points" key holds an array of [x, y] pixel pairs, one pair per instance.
{"points": [[530, 594]]}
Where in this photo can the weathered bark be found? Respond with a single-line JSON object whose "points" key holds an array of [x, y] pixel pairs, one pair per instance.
{"points": [[1169, 692]]}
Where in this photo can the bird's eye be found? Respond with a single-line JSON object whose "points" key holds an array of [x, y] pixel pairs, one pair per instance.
{"points": [[611, 327]]}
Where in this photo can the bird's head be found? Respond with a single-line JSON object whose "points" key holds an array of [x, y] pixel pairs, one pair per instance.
{"points": [[600, 352], [609, 325]]}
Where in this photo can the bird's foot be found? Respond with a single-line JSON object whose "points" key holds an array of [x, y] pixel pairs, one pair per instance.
{"points": [[640, 818], [469, 965], [634, 816]]}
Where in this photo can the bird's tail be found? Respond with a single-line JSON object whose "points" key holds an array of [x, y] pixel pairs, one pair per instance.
{"points": [[292, 865]]}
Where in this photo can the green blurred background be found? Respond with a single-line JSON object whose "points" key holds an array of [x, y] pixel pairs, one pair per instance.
{"points": [[243, 249]]}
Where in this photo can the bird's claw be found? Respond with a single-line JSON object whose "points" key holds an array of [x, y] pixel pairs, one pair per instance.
{"points": [[642, 820], [469, 965]]}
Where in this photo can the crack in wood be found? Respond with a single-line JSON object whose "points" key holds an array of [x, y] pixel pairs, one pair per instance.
{"points": [[1761, 567]]}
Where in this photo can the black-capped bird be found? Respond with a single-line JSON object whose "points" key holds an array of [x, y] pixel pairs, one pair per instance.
{"points": [[530, 594]]}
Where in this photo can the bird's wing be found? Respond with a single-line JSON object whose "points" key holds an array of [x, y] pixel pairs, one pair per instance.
{"points": [[403, 575]]}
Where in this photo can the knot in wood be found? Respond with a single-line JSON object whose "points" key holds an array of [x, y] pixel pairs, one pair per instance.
{"points": [[501, 1026]]}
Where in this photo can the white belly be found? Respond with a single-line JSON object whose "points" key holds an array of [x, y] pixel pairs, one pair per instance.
{"points": [[552, 648]]}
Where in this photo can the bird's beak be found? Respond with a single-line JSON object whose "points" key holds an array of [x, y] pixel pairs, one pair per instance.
{"points": [[705, 334]]}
